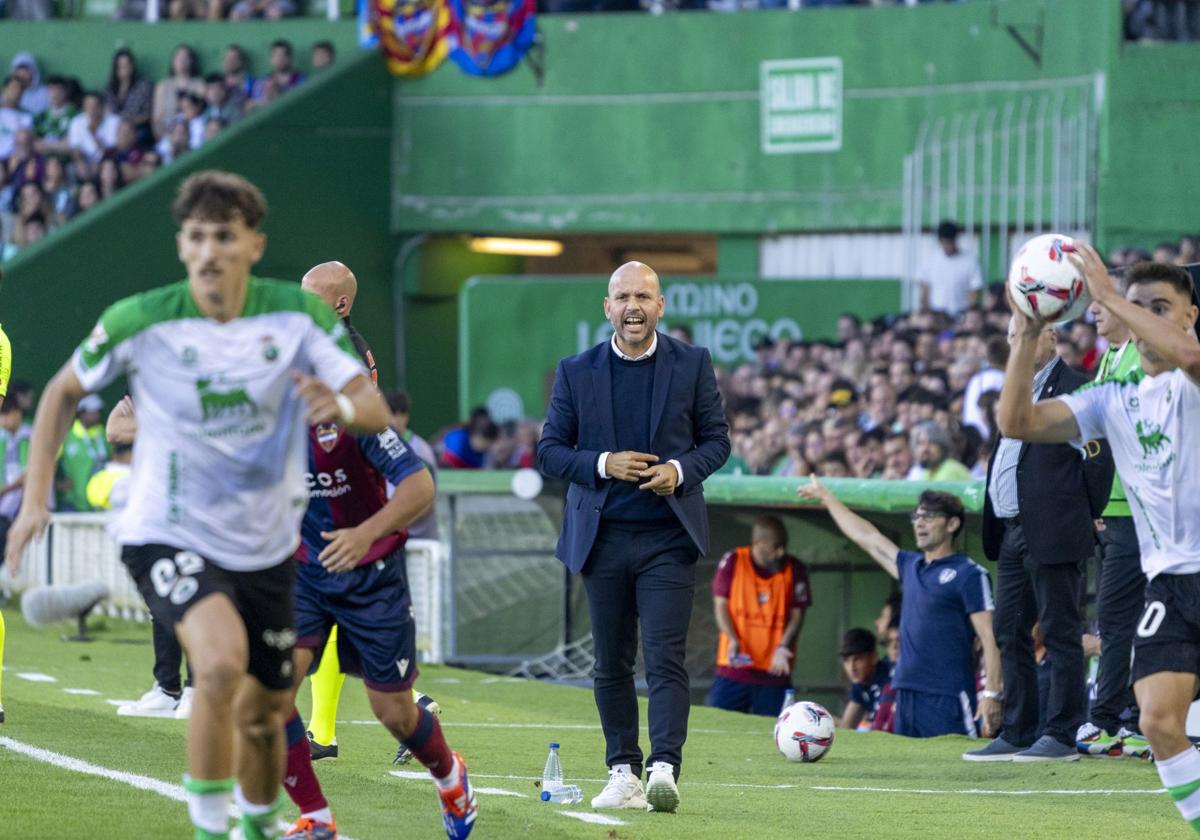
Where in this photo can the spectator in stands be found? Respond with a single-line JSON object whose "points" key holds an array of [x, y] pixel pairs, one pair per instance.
{"points": [[109, 178], [990, 378], [760, 594], [86, 197], [931, 446], [191, 114], [128, 155], [513, 447], [12, 118], [219, 105], [466, 447], [91, 133], [52, 124], [177, 141], [868, 675], [322, 56], [235, 68], [948, 602], [184, 78], [424, 528], [1083, 337], [128, 95], [31, 201], [84, 453], [26, 163], [283, 76], [58, 191], [196, 9], [268, 9], [950, 280], [34, 97]]}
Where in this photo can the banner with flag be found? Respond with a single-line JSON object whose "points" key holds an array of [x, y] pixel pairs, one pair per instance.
{"points": [[412, 34], [490, 37]]}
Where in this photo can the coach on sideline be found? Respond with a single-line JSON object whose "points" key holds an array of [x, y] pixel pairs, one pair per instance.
{"points": [[1038, 527], [636, 425]]}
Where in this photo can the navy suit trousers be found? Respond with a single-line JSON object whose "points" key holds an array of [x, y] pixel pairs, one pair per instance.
{"points": [[641, 574]]}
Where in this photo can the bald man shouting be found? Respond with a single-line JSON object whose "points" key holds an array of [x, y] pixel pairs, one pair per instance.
{"points": [[636, 425]]}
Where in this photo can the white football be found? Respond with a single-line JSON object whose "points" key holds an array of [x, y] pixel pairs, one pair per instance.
{"points": [[804, 731], [1044, 284]]}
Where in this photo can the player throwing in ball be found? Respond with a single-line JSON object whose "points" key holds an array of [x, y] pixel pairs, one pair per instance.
{"points": [[1151, 418]]}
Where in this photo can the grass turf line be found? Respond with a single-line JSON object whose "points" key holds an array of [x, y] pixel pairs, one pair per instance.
{"points": [[39, 800]]}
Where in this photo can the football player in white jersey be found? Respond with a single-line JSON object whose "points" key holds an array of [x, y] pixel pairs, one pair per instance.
{"points": [[1151, 418], [227, 371]]}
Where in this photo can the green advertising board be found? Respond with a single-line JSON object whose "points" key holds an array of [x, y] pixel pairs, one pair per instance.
{"points": [[513, 330]]}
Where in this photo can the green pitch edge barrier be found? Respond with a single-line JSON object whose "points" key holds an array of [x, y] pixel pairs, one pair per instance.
{"points": [[759, 491]]}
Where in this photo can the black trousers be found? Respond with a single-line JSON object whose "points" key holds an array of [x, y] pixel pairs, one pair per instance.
{"points": [[1028, 591], [168, 656], [641, 576], [1118, 605]]}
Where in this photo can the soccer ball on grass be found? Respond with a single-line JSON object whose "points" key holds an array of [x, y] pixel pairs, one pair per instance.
{"points": [[1044, 283], [804, 731]]}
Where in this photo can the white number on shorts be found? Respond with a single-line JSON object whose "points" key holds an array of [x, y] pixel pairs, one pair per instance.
{"points": [[1151, 619], [172, 578]]}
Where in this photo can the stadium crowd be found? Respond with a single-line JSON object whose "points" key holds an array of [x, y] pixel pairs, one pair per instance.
{"points": [[65, 147]]}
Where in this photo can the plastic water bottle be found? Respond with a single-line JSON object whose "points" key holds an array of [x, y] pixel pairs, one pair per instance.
{"points": [[553, 789], [563, 794], [789, 697]]}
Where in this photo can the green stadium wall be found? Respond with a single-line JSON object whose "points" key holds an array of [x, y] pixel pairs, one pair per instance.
{"points": [[667, 139]]}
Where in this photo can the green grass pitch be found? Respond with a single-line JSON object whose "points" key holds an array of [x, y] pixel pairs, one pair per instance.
{"points": [[734, 785]]}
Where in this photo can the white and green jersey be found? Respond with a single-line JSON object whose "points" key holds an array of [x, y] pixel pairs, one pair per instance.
{"points": [[222, 445], [1145, 420]]}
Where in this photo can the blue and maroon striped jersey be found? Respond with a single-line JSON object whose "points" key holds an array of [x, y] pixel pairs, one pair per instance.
{"points": [[347, 483]]}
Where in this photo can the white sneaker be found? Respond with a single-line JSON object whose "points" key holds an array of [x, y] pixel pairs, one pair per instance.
{"points": [[184, 710], [661, 789], [624, 790], [154, 703]]}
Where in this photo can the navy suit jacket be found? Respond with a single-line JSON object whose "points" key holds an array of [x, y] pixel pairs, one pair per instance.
{"points": [[687, 423]]}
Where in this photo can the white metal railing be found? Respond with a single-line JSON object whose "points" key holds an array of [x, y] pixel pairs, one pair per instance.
{"points": [[77, 548]]}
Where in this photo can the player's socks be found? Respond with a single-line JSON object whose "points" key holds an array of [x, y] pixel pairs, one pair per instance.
{"points": [[258, 821], [429, 746], [1180, 775], [208, 806], [299, 780], [326, 691]]}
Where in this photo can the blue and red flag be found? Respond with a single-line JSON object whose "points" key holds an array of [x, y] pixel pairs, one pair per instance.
{"points": [[490, 37]]}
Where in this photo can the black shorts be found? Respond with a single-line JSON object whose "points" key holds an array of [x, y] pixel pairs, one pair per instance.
{"points": [[377, 636], [1167, 637], [173, 581]]}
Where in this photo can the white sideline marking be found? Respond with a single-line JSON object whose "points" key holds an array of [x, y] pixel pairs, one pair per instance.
{"points": [[500, 792], [87, 692], [76, 765], [979, 792], [589, 817], [33, 676], [420, 776], [856, 788], [119, 702]]}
